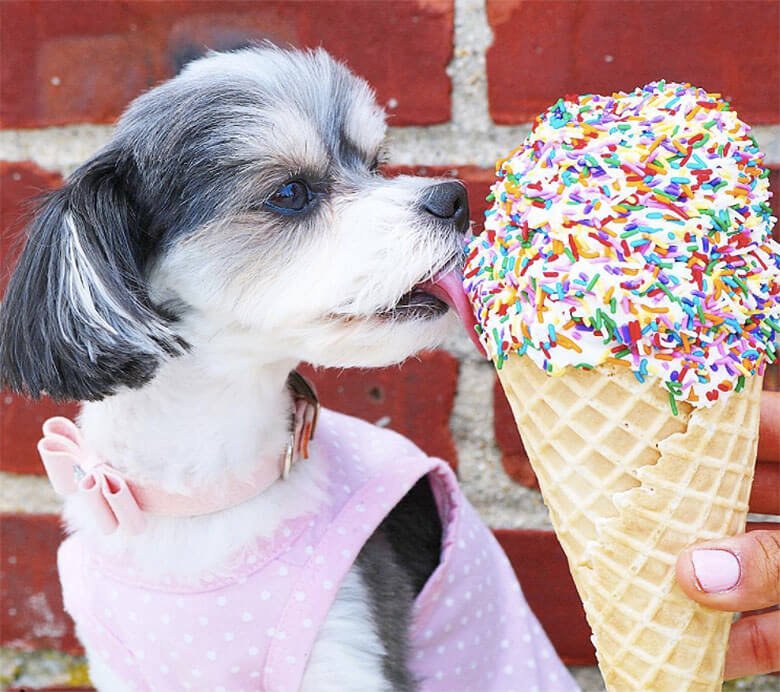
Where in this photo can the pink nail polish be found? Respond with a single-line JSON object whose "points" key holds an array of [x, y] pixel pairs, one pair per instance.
{"points": [[716, 570]]}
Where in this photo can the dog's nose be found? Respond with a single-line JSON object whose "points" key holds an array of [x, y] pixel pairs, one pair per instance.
{"points": [[448, 201]]}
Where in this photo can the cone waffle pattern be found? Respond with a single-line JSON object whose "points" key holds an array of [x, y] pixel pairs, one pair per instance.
{"points": [[629, 485]]}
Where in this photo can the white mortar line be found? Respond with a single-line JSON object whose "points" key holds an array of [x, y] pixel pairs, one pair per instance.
{"points": [[471, 137], [59, 149], [63, 149], [27, 494], [459, 142]]}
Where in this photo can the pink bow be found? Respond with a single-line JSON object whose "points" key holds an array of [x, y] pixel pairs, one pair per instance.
{"points": [[72, 468]]}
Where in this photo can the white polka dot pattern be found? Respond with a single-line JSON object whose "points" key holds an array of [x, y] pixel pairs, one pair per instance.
{"points": [[229, 629]]}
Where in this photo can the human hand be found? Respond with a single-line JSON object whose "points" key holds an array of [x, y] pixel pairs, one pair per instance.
{"points": [[743, 573]]}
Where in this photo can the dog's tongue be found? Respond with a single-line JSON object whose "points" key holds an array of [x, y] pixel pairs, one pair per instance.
{"points": [[448, 286]]}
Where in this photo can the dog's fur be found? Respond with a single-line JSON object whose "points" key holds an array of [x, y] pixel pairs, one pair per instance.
{"points": [[168, 286]]}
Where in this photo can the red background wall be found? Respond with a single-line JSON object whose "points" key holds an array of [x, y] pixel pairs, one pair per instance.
{"points": [[74, 61]]}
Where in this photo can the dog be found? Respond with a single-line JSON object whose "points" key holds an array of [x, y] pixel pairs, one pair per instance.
{"points": [[236, 224]]}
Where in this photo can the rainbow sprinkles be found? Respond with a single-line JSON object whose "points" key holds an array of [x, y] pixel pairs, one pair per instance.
{"points": [[634, 230]]}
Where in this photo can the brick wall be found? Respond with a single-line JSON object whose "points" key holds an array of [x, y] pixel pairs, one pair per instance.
{"points": [[457, 99]]}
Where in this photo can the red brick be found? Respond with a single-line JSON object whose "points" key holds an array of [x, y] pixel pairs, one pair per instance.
{"points": [[32, 616], [541, 567], [772, 378], [18, 183], [544, 49], [85, 61], [513, 454], [765, 492], [20, 429], [761, 526], [416, 398]]}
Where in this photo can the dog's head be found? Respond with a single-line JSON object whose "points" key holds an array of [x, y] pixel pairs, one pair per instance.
{"points": [[241, 197]]}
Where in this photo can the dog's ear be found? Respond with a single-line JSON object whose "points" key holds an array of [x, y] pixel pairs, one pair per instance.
{"points": [[76, 321]]}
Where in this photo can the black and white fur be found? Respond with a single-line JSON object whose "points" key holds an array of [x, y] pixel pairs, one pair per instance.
{"points": [[171, 287]]}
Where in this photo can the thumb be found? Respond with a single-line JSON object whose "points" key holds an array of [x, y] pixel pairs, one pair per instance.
{"points": [[737, 574]]}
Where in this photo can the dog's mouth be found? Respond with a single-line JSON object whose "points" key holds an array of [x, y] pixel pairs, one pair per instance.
{"points": [[422, 302], [429, 298], [434, 297]]}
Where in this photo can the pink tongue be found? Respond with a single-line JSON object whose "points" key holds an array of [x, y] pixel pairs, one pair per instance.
{"points": [[448, 286]]}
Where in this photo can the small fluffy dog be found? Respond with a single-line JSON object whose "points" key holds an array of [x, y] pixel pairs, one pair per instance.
{"points": [[235, 225]]}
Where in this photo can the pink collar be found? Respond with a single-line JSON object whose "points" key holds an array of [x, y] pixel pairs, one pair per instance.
{"points": [[116, 499]]}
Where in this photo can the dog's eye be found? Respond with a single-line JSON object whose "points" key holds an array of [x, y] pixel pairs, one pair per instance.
{"points": [[290, 198]]}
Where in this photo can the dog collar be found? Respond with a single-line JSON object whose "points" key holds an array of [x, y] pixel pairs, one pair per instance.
{"points": [[116, 499]]}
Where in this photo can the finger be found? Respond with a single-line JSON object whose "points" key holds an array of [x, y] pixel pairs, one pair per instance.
{"points": [[765, 493], [754, 646], [769, 427], [737, 574]]}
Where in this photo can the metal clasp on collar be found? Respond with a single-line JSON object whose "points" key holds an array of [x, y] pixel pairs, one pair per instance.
{"points": [[306, 409], [289, 457]]}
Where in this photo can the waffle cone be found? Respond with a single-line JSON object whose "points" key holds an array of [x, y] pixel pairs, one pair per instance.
{"points": [[629, 485]]}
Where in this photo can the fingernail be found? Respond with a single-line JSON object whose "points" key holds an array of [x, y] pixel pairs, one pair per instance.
{"points": [[716, 570]]}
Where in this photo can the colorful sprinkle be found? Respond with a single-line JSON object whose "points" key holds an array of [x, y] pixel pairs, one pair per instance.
{"points": [[633, 229]]}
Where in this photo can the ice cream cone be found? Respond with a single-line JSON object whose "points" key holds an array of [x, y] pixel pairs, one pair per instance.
{"points": [[627, 287], [629, 485]]}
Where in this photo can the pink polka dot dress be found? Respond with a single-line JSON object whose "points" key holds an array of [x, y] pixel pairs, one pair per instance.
{"points": [[251, 624]]}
